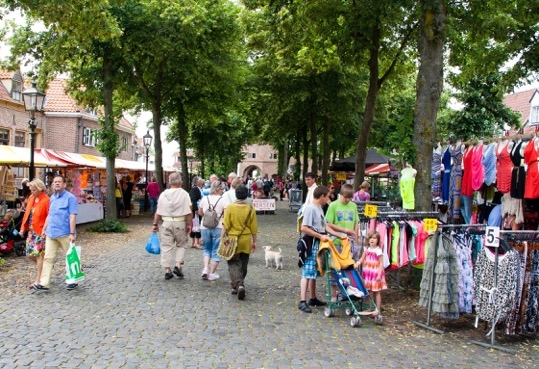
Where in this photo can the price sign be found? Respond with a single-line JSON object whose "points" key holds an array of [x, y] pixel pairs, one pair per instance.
{"points": [[492, 238], [371, 210], [430, 225], [340, 176]]}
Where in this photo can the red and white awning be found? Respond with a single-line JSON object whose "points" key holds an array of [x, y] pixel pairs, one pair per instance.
{"points": [[377, 169]]}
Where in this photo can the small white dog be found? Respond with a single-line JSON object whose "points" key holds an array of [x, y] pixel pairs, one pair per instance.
{"points": [[273, 256]]}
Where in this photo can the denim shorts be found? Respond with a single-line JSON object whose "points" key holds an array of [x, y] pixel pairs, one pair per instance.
{"points": [[210, 239]]}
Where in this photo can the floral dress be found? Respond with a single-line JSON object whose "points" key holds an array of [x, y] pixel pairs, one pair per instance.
{"points": [[371, 268]]}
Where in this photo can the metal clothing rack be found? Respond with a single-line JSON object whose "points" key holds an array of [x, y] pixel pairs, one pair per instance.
{"points": [[530, 235], [405, 215], [431, 285]]}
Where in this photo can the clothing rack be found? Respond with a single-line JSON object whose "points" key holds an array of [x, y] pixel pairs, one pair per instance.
{"points": [[405, 215], [535, 235], [431, 285]]}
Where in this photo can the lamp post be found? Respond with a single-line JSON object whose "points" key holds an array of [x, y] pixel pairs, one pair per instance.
{"points": [[33, 102], [147, 138]]}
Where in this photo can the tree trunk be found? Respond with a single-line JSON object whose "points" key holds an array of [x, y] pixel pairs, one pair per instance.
{"points": [[314, 139], [429, 88], [305, 167], [182, 141], [108, 88], [157, 143], [325, 153], [370, 105]]}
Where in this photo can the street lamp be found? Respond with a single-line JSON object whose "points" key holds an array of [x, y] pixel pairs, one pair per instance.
{"points": [[33, 102], [147, 138]]}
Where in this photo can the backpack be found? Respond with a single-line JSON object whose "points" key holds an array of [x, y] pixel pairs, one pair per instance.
{"points": [[211, 219]]}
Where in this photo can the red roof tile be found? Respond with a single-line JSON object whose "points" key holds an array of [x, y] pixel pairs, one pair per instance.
{"points": [[520, 103], [57, 98]]}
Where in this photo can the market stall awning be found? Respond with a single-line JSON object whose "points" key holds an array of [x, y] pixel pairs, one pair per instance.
{"points": [[19, 156], [81, 160], [349, 164], [52, 162], [377, 169], [133, 165]]}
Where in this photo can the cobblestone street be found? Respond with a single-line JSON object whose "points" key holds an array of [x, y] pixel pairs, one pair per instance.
{"points": [[126, 315]]}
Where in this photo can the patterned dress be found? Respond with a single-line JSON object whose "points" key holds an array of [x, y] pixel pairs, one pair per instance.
{"points": [[455, 181], [371, 268], [503, 168], [436, 179]]}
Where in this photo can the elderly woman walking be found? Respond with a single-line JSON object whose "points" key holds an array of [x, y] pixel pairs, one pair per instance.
{"points": [[240, 221], [33, 222]]}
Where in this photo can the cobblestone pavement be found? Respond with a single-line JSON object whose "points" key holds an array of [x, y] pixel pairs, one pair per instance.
{"points": [[125, 315]]}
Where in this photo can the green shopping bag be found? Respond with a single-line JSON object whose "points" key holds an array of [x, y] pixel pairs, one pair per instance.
{"points": [[74, 273]]}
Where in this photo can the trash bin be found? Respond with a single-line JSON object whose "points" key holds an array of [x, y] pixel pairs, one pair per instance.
{"points": [[295, 201]]}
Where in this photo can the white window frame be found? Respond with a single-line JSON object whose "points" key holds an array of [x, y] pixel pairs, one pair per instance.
{"points": [[16, 90], [20, 144], [4, 132], [124, 144], [534, 116], [88, 137], [251, 155]]}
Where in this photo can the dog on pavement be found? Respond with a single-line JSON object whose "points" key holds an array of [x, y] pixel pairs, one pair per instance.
{"points": [[273, 257]]}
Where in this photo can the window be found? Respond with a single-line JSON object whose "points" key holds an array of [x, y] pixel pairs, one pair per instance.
{"points": [[16, 91], [89, 137], [535, 115], [20, 139], [4, 136], [124, 143], [272, 155], [251, 155]]}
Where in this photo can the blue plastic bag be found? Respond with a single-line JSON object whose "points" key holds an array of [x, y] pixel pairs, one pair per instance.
{"points": [[153, 246]]}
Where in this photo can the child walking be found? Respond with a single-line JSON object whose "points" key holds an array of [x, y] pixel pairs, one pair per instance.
{"points": [[374, 276]]}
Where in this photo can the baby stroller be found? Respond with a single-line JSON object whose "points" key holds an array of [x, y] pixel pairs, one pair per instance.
{"points": [[352, 296], [10, 240]]}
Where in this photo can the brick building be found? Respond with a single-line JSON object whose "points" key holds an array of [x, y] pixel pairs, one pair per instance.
{"points": [[63, 126], [260, 161]]}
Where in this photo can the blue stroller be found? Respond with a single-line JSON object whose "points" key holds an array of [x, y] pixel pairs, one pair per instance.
{"points": [[352, 295]]}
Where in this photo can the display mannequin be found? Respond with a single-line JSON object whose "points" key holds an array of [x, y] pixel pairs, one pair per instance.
{"points": [[406, 185]]}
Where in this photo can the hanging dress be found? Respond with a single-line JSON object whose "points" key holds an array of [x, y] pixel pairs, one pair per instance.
{"points": [[478, 169], [489, 161], [436, 179], [532, 177], [455, 181], [518, 174], [466, 188], [503, 167], [446, 162]]}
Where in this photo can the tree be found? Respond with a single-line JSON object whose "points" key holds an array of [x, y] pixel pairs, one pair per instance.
{"points": [[429, 89]]}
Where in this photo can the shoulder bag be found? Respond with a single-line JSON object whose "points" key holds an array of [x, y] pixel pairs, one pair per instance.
{"points": [[228, 245]]}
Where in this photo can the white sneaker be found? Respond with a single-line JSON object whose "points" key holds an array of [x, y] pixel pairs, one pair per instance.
{"points": [[205, 273], [213, 276]]}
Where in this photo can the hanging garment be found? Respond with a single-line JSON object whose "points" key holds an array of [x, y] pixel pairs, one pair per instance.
{"points": [[494, 302], [503, 167], [404, 258], [518, 174], [489, 162], [531, 158], [466, 188], [436, 179], [512, 206], [455, 182], [465, 271], [395, 246], [446, 162], [445, 292], [478, 169], [513, 317], [531, 323], [407, 184]]}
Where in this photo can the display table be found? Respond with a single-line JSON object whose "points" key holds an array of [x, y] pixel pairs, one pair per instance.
{"points": [[90, 212]]}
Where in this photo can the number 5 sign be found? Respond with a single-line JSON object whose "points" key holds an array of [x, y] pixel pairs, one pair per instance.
{"points": [[492, 236]]}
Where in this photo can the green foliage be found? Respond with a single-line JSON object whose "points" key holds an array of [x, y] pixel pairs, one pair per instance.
{"points": [[484, 113], [109, 226]]}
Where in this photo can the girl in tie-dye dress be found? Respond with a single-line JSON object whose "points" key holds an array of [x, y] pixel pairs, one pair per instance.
{"points": [[374, 277]]}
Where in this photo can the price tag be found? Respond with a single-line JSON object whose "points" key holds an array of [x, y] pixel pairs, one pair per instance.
{"points": [[492, 238], [430, 225], [340, 176], [371, 210]]}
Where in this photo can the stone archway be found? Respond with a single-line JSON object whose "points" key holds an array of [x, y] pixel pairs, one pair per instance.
{"points": [[248, 172]]}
